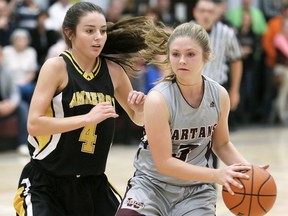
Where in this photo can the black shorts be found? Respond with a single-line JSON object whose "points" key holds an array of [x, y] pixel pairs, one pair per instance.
{"points": [[42, 194]]}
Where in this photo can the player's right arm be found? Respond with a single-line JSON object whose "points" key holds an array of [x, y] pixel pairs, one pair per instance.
{"points": [[52, 79], [159, 137]]}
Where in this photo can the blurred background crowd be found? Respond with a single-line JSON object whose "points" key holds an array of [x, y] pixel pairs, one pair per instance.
{"points": [[30, 33]]}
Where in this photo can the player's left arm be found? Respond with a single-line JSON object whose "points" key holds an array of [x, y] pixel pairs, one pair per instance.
{"points": [[222, 145]]}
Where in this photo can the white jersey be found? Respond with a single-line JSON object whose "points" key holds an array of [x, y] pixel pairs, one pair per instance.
{"points": [[191, 130]]}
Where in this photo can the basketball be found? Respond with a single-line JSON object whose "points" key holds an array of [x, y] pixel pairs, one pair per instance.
{"points": [[257, 196]]}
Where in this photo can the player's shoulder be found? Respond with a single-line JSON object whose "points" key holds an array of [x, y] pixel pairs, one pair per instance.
{"points": [[57, 61], [54, 65], [154, 99], [113, 66], [115, 70]]}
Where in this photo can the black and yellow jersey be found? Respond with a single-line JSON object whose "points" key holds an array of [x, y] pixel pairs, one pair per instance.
{"points": [[82, 151]]}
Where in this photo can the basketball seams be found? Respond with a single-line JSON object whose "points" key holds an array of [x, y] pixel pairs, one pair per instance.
{"points": [[260, 195], [251, 189], [241, 201]]}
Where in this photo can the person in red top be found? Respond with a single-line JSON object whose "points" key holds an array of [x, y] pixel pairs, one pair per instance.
{"points": [[281, 72], [274, 26]]}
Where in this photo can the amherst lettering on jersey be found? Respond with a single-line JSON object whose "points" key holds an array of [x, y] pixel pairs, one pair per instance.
{"points": [[83, 97], [192, 133]]}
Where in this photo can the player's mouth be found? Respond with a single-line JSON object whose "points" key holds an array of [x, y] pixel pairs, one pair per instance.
{"points": [[182, 69], [96, 46]]}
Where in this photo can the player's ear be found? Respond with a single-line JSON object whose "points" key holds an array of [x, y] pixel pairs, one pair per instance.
{"points": [[69, 34], [207, 56]]}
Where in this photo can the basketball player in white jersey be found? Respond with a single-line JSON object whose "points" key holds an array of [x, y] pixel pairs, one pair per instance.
{"points": [[185, 117]]}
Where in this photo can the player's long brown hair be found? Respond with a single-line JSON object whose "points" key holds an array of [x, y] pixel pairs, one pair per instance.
{"points": [[125, 39]]}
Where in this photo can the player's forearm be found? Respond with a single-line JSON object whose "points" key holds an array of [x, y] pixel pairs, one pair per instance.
{"points": [[179, 169], [230, 155], [236, 75], [50, 125]]}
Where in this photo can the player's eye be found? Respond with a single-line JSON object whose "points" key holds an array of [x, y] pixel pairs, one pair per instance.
{"points": [[191, 54], [103, 31], [90, 31]]}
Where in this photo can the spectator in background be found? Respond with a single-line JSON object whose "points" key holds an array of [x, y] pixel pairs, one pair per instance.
{"points": [[21, 61], [226, 66], [42, 39], [11, 104], [250, 23], [43, 4], [154, 13], [129, 8], [167, 14], [281, 72], [6, 24], [249, 43], [115, 10], [26, 13], [271, 8], [221, 10], [273, 28], [56, 14], [234, 16]]}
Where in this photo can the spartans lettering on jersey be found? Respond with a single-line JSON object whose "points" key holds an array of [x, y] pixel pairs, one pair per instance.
{"points": [[83, 97], [192, 133]]}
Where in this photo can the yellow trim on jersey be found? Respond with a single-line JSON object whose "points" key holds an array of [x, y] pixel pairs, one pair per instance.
{"points": [[19, 201], [44, 145], [87, 75]]}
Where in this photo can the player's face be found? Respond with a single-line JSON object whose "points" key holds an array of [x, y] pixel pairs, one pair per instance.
{"points": [[91, 34], [186, 57], [205, 14]]}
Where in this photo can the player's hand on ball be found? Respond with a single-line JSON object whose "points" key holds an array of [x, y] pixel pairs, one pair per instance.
{"points": [[136, 100], [228, 174]]}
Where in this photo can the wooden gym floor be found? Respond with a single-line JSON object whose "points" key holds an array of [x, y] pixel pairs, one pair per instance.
{"points": [[260, 145]]}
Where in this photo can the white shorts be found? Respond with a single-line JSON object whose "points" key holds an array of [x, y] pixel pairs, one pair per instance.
{"points": [[147, 196]]}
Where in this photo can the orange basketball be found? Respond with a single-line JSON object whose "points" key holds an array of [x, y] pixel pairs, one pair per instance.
{"points": [[257, 196]]}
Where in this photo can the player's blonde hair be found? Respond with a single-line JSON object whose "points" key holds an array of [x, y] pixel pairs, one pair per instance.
{"points": [[160, 39]]}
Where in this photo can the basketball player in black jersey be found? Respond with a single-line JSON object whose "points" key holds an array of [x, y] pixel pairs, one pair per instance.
{"points": [[72, 113]]}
